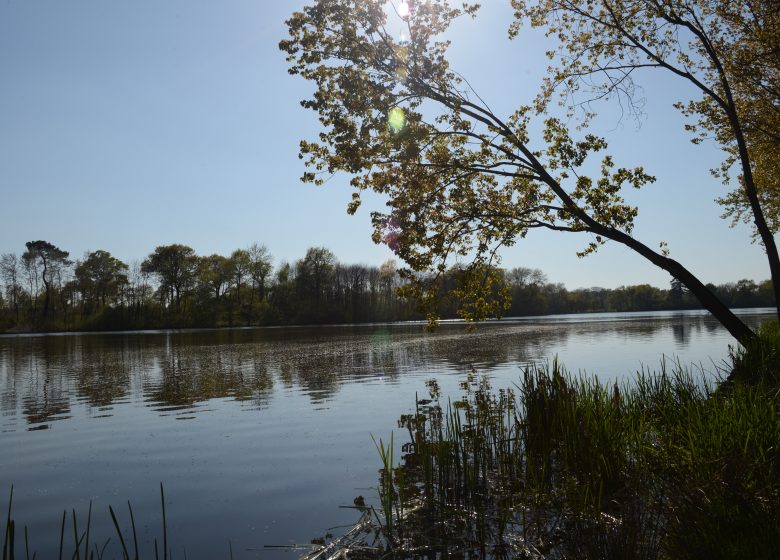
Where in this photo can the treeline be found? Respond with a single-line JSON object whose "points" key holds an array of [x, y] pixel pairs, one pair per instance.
{"points": [[532, 294], [44, 289]]}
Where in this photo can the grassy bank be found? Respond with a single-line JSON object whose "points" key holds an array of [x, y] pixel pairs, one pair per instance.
{"points": [[671, 465]]}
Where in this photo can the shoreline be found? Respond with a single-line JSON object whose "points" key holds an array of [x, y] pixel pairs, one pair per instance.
{"points": [[585, 316]]}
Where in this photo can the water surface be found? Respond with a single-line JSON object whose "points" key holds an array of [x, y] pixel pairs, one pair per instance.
{"points": [[260, 434]]}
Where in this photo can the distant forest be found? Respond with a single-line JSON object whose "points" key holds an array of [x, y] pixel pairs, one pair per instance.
{"points": [[43, 289]]}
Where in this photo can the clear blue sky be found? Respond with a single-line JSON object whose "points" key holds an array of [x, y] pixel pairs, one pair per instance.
{"points": [[126, 125]]}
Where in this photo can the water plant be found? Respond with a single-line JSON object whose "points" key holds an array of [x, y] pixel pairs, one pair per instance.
{"points": [[80, 547], [667, 465], [387, 493]]}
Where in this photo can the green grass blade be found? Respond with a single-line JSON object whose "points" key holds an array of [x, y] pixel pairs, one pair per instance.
{"points": [[135, 535], [62, 533], [8, 538], [76, 539], [125, 554], [165, 524], [89, 524]]}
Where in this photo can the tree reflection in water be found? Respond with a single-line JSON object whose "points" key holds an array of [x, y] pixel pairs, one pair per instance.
{"points": [[176, 372]]}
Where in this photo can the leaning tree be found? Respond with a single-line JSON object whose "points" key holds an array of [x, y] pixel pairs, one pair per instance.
{"points": [[727, 52], [461, 181]]}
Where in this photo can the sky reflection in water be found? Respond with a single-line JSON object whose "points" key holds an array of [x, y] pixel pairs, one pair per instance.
{"points": [[259, 434]]}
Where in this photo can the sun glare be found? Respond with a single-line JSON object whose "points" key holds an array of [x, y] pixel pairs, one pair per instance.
{"points": [[396, 119], [403, 9]]}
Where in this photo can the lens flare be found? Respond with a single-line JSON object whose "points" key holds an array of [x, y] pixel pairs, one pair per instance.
{"points": [[396, 119], [403, 10]]}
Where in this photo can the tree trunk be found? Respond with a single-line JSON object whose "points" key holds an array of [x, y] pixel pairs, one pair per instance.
{"points": [[730, 108], [47, 297], [710, 301], [736, 327], [758, 215]]}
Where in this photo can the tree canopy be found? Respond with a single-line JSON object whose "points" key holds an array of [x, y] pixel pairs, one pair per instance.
{"points": [[50, 259], [462, 181], [100, 292], [100, 276], [728, 51], [175, 266]]}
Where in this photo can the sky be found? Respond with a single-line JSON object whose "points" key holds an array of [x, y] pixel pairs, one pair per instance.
{"points": [[127, 125]]}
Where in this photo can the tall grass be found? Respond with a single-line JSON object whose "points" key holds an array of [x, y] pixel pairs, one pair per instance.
{"points": [[387, 490], [666, 466], [79, 548], [759, 360]]}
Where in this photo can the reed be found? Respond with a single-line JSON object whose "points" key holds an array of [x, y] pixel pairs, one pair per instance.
{"points": [[81, 547], [387, 492], [667, 465]]}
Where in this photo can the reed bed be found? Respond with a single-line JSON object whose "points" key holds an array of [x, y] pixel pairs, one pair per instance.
{"points": [[668, 465]]}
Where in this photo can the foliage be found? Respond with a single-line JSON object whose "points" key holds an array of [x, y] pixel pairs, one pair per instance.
{"points": [[100, 292], [461, 181], [761, 355], [100, 278], [726, 51], [51, 260], [174, 287], [557, 467], [175, 267]]}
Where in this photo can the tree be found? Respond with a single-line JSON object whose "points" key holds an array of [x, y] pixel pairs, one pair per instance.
{"points": [[100, 277], [260, 266], [31, 277], [728, 51], [10, 271], [313, 276], [527, 285], [51, 260], [175, 267], [139, 290], [214, 272], [282, 294], [388, 276], [522, 276], [461, 180], [238, 264]]}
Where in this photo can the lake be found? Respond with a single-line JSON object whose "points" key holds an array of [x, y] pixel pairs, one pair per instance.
{"points": [[259, 435]]}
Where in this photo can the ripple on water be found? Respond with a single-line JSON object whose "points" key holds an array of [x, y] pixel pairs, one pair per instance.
{"points": [[276, 423]]}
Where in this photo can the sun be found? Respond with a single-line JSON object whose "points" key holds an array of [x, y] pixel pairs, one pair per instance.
{"points": [[396, 119]]}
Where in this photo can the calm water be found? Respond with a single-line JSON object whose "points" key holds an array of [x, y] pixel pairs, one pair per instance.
{"points": [[260, 434]]}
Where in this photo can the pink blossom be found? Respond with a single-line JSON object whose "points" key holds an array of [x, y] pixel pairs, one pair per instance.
{"points": [[392, 232]]}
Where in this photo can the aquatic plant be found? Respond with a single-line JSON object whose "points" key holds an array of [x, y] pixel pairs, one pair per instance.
{"points": [[668, 465], [80, 547]]}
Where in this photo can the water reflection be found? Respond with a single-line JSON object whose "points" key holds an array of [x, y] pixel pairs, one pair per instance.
{"points": [[276, 421], [175, 373], [682, 335], [185, 375]]}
